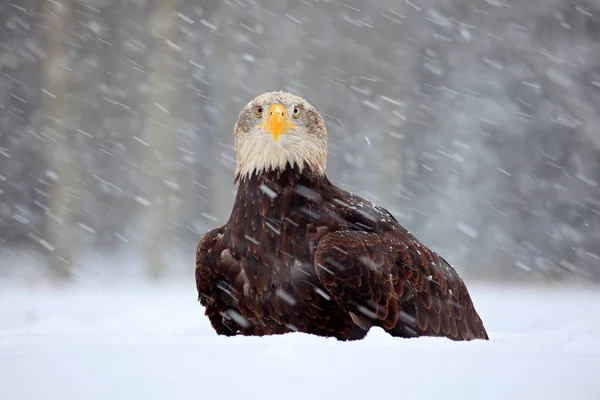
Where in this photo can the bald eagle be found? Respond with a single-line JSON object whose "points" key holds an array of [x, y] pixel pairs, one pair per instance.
{"points": [[299, 254]]}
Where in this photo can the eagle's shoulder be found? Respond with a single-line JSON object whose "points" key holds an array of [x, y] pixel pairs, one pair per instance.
{"points": [[357, 212]]}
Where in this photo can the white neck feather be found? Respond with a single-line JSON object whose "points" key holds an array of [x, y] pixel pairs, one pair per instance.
{"points": [[260, 153]]}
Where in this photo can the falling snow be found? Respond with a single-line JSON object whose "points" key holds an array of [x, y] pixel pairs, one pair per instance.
{"points": [[268, 191], [475, 125]]}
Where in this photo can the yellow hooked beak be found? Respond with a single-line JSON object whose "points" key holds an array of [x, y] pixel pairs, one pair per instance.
{"points": [[277, 122]]}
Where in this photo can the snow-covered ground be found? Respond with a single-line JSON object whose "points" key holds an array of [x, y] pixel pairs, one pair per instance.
{"points": [[153, 342]]}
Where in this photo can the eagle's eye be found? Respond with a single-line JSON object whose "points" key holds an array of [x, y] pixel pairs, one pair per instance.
{"points": [[296, 112], [258, 110]]}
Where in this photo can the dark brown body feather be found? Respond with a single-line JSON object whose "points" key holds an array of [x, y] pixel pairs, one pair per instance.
{"points": [[300, 254]]}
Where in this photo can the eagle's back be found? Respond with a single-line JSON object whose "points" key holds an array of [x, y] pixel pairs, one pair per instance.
{"points": [[259, 268]]}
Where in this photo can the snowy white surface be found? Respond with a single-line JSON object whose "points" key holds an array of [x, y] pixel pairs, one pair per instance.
{"points": [[153, 342]]}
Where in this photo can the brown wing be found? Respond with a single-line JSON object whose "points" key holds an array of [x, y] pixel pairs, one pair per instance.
{"points": [[391, 280], [219, 281]]}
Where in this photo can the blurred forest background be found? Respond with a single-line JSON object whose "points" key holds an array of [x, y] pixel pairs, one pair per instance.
{"points": [[476, 123]]}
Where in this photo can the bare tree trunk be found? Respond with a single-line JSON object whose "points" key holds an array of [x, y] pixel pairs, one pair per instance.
{"points": [[60, 173], [157, 135], [224, 92]]}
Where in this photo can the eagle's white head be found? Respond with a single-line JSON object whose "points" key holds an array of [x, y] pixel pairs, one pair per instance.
{"points": [[279, 128]]}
